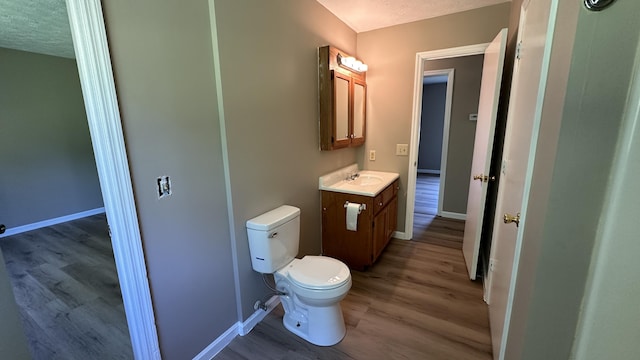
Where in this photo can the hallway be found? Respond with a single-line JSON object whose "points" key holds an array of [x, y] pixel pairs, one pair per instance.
{"points": [[427, 226]]}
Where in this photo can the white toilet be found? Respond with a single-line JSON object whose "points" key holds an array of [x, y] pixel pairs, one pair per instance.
{"points": [[313, 285]]}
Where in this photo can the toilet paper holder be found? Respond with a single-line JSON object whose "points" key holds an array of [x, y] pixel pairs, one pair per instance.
{"points": [[361, 209]]}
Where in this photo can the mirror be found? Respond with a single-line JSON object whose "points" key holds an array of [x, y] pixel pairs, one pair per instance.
{"points": [[341, 99], [359, 95], [342, 96]]}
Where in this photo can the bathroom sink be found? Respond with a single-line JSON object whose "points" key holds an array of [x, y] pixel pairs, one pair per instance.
{"points": [[366, 182]]}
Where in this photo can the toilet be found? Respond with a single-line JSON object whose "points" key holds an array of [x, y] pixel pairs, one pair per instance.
{"points": [[311, 287]]}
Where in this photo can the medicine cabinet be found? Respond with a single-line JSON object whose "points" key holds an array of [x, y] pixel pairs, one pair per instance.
{"points": [[342, 98]]}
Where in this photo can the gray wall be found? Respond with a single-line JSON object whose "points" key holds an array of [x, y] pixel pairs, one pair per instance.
{"points": [[48, 167], [570, 180], [13, 343], [163, 64], [434, 98], [391, 55], [268, 59], [610, 316], [466, 95]]}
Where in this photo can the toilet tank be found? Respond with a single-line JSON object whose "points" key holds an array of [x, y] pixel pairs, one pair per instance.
{"points": [[273, 238]]}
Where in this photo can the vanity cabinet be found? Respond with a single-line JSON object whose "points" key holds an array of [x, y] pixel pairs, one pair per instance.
{"points": [[376, 224], [342, 98]]}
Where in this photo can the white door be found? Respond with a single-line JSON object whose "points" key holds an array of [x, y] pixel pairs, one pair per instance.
{"points": [[482, 147], [528, 83]]}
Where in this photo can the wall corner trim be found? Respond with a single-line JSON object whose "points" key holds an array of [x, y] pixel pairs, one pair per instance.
{"points": [[105, 126], [239, 328]]}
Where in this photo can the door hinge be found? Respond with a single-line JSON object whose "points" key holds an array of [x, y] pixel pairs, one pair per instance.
{"points": [[519, 50]]}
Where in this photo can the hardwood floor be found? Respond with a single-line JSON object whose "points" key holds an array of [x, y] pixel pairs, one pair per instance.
{"points": [[66, 286], [415, 302], [429, 227]]}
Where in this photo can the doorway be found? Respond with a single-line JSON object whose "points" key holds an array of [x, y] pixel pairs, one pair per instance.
{"points": [[446, 126], [57, 249], [437, 94], [96, 78]]}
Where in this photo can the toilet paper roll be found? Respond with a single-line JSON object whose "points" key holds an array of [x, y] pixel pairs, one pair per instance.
{"points": [[353, 210]]}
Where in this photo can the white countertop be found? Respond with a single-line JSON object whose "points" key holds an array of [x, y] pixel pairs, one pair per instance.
{"points": [[367, 182]]}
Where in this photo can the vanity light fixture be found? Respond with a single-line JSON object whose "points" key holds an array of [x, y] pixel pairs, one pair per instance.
{"points": [[352, 63]]}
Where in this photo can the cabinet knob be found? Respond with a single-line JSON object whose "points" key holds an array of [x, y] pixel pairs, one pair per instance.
{"points": [[380, 203]]}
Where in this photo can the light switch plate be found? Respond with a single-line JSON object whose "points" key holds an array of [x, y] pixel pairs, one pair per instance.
{"points": [[402, 149]]}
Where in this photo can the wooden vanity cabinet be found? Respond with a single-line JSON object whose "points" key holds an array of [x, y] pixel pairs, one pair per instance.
{"points": [[342, 97], [359, 249]]}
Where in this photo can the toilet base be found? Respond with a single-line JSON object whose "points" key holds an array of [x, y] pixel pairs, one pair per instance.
{"points": [[322, 326]]}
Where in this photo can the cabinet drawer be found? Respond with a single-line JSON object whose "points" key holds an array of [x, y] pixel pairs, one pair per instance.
{"points": [[385, 196]]}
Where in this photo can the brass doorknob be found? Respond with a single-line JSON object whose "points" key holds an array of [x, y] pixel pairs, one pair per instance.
{"points": [[508, 218], [484, 178]]}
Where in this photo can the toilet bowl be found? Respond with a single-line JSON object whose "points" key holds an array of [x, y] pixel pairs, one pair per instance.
{"points": [[312, 287]]}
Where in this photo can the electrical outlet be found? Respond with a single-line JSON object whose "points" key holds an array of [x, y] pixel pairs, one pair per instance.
{"points": [[402, 149], [372, 155], [164, 186]]}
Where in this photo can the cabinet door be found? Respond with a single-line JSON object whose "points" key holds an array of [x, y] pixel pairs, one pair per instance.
{"points": [[379, 233], [392, 218], [341, 118], [359, 112], [352, 247]]}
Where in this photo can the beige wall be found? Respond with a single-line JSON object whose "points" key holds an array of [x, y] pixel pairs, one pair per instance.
{"points": [[48, 169], [466, 97], [390, 54], [268, 59], [163, 65]]}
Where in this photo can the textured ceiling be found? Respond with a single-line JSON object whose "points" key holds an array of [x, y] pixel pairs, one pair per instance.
{"points": [[365, 15], [40, 26]]}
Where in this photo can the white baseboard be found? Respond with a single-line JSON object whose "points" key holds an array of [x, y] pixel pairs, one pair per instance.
{"points": [[427, 171], [218, 344], [452, 215], [239, 328], [401, 235], [50, 222], [257, 316]]}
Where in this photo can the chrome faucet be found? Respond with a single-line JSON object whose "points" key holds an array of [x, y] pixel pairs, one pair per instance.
{"points": [[352, 176]]}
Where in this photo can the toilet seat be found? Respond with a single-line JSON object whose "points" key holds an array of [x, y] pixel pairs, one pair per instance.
{"points": [[318, 273]]}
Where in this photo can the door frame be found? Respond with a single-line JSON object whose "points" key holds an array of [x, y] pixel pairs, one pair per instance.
{"points": [[103, 115], [445, 129], [421, 57]]}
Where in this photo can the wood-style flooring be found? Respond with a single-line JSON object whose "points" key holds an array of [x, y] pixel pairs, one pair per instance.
{"points": [[65, 283], [429, 227], [415, 302]]}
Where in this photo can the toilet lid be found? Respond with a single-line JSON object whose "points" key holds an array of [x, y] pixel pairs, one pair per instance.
{"points": [[318, 272]]}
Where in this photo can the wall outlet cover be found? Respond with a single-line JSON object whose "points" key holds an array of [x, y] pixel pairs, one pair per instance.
{"points": [[372, 155]]}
